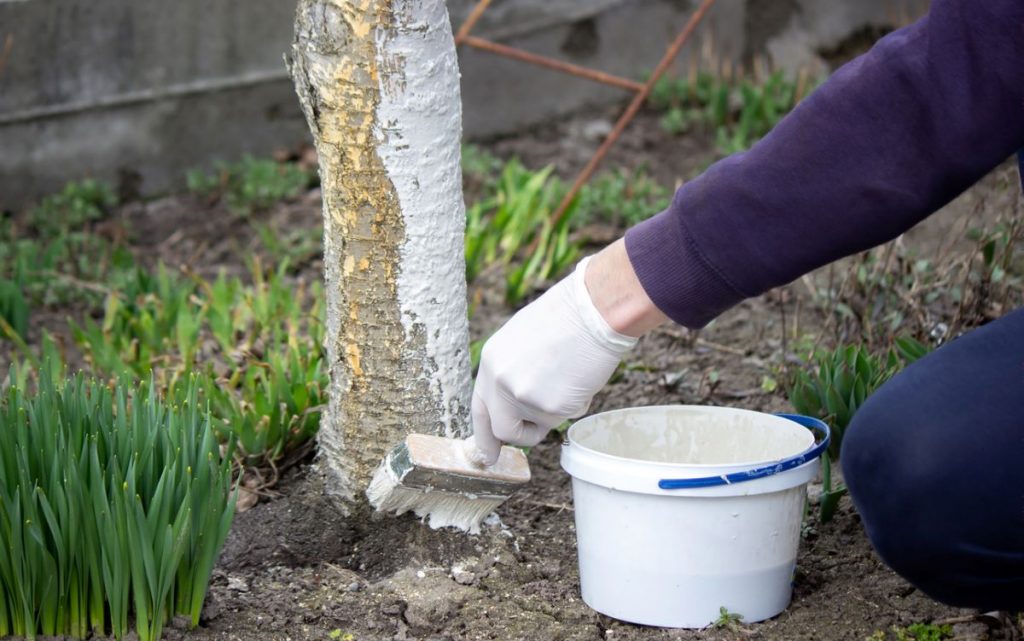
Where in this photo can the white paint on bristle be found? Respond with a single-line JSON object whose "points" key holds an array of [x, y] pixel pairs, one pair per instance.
{"points": [[420, 116], [438, 508]]}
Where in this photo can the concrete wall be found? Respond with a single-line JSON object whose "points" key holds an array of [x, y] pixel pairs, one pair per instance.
{"points": [[138, 91]]}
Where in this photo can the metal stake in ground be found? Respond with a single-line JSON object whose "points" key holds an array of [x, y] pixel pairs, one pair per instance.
{"points": [[628, 115]]}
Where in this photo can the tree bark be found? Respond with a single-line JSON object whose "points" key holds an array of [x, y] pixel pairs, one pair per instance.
{"points": [[378, 82]]}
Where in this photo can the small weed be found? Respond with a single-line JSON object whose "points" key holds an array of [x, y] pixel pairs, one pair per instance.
{"points": [[295, 247], [621, 198], [915, 632], [929, 632], [251, 184], [727, 620], [73, 207]]}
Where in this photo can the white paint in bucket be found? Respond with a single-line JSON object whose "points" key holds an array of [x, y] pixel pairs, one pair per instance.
{"points": [[673, 558]]}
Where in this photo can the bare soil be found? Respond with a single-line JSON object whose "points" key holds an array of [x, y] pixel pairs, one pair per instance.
{"points": [[295, 567]]}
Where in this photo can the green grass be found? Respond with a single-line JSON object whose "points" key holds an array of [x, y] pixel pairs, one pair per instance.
{"points": [[113, 506], [251, 184]]}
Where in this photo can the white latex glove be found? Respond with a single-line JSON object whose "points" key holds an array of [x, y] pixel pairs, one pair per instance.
{"points": [[542, 367]]}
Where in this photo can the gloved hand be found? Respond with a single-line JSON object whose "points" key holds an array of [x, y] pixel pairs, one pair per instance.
{"points": [[543, 367]]}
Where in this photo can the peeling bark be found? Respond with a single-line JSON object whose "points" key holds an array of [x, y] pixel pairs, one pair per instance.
{"points": [[378, 83]]}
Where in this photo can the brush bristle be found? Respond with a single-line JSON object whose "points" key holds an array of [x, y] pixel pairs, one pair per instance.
{"points": [[438, 508], [432, 477]]}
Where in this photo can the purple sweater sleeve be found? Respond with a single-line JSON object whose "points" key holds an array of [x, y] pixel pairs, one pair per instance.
{"points": [[887, 140]]}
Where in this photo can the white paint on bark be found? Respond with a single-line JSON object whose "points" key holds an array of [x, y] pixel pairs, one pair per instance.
{"points": [[419, 137]]}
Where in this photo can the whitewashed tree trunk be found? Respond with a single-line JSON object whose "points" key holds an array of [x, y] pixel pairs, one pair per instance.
{"points": [[379, 84]]}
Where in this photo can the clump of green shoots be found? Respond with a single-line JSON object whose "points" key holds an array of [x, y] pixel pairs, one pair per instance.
{"points": [[14, 309], [517, 216], [509, 225], [622, 198], [269, 381], [53, 257], [256, 351], [113, 508], [739, 109], [251, 184], [916, 632], [151, 325], [835, 388], [77, 204]]}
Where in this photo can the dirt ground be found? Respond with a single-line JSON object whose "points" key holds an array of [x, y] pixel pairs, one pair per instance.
{"points": [[295, 568]]}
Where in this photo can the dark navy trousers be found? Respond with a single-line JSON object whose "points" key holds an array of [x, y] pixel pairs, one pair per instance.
{"points": [[935, 464]]}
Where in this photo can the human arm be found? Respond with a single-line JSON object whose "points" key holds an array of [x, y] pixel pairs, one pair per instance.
{"points": [[890, 138], [886, 141]]}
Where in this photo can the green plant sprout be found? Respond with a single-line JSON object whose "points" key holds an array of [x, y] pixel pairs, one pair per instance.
{"points": [[251, 184], [499, 228], [622, 198], [835, 388], [727, 620], [256, 351], [915, 632], [77, 204], [739, 110], [114, 507]]}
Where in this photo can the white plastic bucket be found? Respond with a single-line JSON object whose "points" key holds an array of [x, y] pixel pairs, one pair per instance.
{"points": [[727, 538]]}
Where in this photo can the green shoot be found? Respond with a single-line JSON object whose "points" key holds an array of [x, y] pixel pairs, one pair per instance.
{"points": [[842, 380], [113, 507], [71, 208], [256, 351], [251, 184], [739, 111], [727, 620]]}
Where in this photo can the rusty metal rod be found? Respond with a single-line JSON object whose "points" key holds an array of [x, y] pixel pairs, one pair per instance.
{"points": [[627, 115], [551, 63], [471, 21]]}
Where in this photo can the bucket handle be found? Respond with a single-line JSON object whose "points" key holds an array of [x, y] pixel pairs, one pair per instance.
{"points": [[811, 453]]}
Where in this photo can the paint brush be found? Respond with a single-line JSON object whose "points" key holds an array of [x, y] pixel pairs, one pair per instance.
{"points": [[438, 479]]}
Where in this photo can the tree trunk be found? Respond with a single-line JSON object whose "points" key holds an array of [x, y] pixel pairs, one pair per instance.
{"points": [[378, 81]]}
